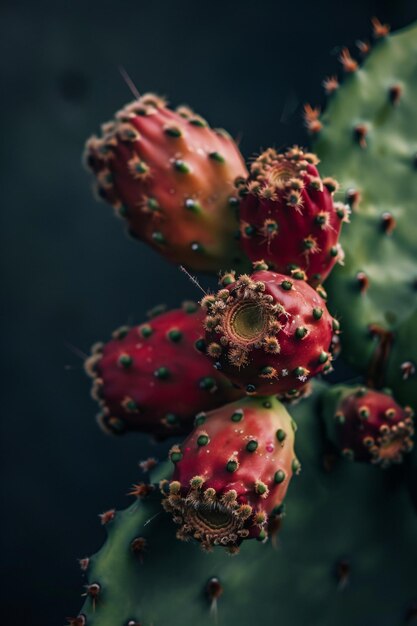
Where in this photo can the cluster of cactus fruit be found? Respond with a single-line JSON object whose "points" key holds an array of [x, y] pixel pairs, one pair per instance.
{"points": [[237, 374]]}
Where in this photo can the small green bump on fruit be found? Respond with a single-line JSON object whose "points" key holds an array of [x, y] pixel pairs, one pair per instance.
{"points": [[125, 360], [261, 488], [321, 291], [200, 345], [200, 419], [279, 476], [339, 417], [301, 332], [272, 227], [286, 285], [335, 325], [268, 370], [207, 383], [250, 388], [192, 205], [176, 457], [175, 335], [320, 219], [334, 251], [198, 121], [308, 244], [252, 445], [293, 392], [237, 416], [146, 331], [153, 204], [300, 371], [294, 426], [162, 373], [295, 466], [323, 357], [228, 279], [216, 156], [364, 412], [317, 313], [233, 202], [232, 466], [249, 230], [158, 237], [281, 435], [262, 535], [131, 405], [203, 440], [123, 211], [172, 131], [181, 166], [266, 404], [298, 274], [171, 419], [260, 265]]}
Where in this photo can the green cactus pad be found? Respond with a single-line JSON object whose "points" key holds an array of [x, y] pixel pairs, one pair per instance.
{"points": [[345, 532], [376, 287]]}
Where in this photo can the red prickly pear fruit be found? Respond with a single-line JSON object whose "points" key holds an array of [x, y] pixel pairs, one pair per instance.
{"points": [[269, 333], [288, 217], [367, 425], [232, 473], [155, 377], [172, 177]]}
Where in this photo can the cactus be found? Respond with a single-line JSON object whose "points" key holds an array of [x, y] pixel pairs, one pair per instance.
{"points": [[330, 560], [367, 138], [269, 332], [154, 377], [232, 472], [172, 178], [367, 425], [287, 215], [334, 556]]}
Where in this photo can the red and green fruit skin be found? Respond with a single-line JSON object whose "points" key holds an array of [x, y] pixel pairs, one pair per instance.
{"points": [[237, 463], [154, 377], [284, 339], [171, 177], [288, 217]]}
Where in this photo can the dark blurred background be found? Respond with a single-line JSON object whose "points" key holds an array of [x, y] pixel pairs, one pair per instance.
{"points": [[72, 275]]}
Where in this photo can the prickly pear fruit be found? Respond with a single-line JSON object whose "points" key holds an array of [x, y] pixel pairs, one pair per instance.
{"points": [[268, 332], [232, 472], [172, 177], [288, 217], [367, 425], [154, 377]]}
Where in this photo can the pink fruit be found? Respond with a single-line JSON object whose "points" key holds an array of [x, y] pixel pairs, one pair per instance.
{"points": [[269, 333], [288, 217], [154, 377], [232, 473], [368, 425], [172, 178]]}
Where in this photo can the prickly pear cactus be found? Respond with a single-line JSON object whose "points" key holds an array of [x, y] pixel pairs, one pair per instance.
{"points": [[341, 549], [144, 575], [367, 139]]}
